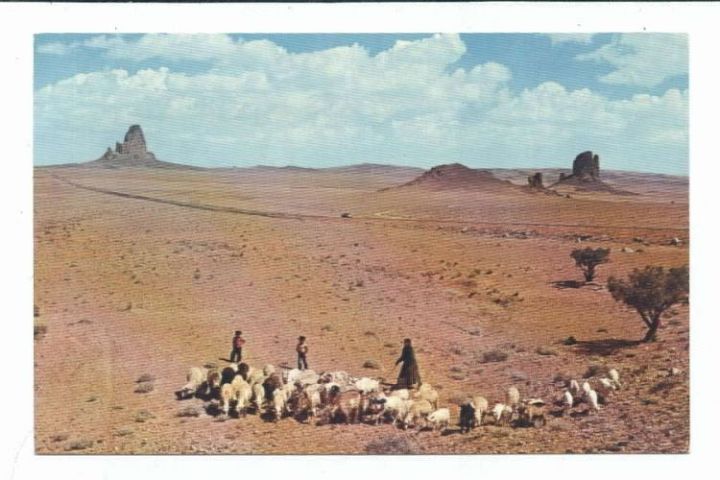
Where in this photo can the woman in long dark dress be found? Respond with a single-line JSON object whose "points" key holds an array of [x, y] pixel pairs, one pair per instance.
{"points": [[409, 373]]}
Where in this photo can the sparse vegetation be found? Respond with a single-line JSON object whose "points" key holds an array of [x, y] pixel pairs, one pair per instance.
{"points": [[545, 351], [588, 259], [80, 444], [39, 331], [145, 387], [651, 291], [372, 364], [189, 412], [494, 356], [143, 416], [392, 446], [145, 377]]}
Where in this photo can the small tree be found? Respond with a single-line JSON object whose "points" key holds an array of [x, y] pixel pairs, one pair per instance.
{"points": [[651, 291], [587, 259]]}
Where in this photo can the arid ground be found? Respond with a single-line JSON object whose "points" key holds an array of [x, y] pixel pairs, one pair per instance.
{"points": [[142, 271]]}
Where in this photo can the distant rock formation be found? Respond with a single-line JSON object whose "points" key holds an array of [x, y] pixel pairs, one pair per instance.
{"points": [[132, 152], [586, 167], [536, 180], [458, 176]]}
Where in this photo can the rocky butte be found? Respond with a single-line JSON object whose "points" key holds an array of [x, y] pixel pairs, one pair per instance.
{"points": [[132, 152]]}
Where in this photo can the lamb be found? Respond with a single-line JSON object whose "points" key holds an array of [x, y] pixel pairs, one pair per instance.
{"points": [[513, 398], [195, 378], [480, 404], [243, 393], [615, 377], [532, 412], [368, 385], [592, 397], [258, 396], [502, 414], [439, 419], [418, 410]]}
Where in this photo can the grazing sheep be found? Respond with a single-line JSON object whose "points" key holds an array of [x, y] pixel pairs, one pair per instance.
{"points": [[227, 393], [258, 396], [532, 412], [427, 392], [392, 407], [574, 388], [344, 406], [268, 370], [467, 417], [305, 377], [592, 397], [439, 419], [402, 393], [502, 414], [195, 378], [339, 377], [255, 376], [367, 385], [243, 394], [605, 388], [213, 382], [567, 399], [480, 404], [615, 377], [513, 398], [272, 383], [279, 405], [586, 388], [418, 410]]}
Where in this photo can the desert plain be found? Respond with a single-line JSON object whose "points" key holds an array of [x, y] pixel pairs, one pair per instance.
{"points": [[145, 271]]}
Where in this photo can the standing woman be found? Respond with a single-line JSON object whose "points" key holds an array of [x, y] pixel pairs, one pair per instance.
{"points": [[409, 373]]}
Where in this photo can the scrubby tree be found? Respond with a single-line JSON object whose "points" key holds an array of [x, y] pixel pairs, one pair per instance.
{"points": [[587, 259], [651, 291]]}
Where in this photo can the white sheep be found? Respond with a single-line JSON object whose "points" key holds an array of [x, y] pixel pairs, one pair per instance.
{"points": [[513, 398], [480, 404], [574, 388], [439, 419], [268, 370], [567, 399], [279, 404], [368, 385], [227, 393], [417, 410], [605, 388], [393, 407], [255, 376], [427, 392], [586, 388], [502, 414], [615, 377], [403, 394], [242, 392], [258, 396], [195, 378], [592, 397]]}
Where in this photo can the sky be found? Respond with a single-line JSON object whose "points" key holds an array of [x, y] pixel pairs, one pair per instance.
{"points": [[321, 100]]}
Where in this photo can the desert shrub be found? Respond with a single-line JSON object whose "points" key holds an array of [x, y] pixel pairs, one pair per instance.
{"points": [[123, 432], [651, 291], [189, 412], [588, 259], [494, 356], [593, 370], [663, 385], [39, 330], [80, 444], [143, 415], [392, 446], [372, 364], [545, 351], [145, 377], [569, 341], [145, 387], [60, 437]]}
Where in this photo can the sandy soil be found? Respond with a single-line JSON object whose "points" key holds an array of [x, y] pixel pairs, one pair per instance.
{"points": [[156, 279]]}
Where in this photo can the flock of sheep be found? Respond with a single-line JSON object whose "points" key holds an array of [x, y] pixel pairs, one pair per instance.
{"points": [[337, 397]]}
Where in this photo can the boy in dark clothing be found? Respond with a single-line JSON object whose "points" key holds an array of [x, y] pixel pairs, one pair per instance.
{"points": [[237, 344], [302, 350]]}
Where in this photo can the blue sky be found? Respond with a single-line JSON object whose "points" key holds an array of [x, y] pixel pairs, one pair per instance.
{"points": [[486, 100]]}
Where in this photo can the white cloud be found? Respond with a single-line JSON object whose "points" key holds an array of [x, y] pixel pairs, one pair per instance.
{"points": [[56, 48], [642, 59], [261, 104], [559, 38]]}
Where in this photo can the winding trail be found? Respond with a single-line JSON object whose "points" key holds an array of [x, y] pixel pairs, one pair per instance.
{"points": [[304, 216]]}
